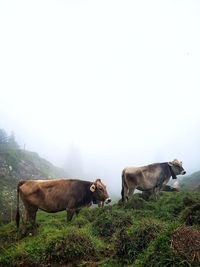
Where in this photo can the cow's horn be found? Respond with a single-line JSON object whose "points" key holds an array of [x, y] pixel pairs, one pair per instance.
{"points": [[92, 188]]}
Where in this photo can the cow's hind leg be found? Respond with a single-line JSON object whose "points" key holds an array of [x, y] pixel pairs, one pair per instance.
{"points": [[124, 193], [30, 217]]}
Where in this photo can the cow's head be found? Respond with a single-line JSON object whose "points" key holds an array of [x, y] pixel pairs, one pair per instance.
{"points": [[99, 192], [177, 167]]}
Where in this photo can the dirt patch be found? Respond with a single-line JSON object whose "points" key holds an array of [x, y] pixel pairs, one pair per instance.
{"points": [[186, 241]]}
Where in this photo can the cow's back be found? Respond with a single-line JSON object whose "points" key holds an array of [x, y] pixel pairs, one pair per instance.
{"points": [[51, 195], [145, 177]]}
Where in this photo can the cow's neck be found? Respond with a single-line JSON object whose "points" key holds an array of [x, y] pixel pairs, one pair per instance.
{"points": [[172, 173]]}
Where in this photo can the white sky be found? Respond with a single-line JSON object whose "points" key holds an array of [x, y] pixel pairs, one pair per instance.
{"points": [[118, 80]]}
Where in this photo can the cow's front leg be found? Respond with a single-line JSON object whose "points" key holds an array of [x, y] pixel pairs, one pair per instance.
{"points": [[70, 214], [77, 211], [156, 192], [101, 204]]}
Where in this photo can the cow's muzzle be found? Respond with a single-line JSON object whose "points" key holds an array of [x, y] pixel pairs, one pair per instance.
{"points": [[108, 200]]}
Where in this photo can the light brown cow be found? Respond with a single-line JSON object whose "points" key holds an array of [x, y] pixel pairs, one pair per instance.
{"points": [[150, 178], [58, 195]]}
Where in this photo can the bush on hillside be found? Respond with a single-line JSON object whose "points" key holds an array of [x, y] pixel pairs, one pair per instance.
{"points": [[73, 247], [161, 253], [170, 205], [191, 215], [80, 221], [111, 221], [137, 201], [129, 244], [189, 201]]}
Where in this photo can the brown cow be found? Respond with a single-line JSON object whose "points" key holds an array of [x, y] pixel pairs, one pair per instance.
{"points": [[58, 195]]}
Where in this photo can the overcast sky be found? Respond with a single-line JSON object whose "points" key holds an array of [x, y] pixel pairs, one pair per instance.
{"points": [[114, 82]]}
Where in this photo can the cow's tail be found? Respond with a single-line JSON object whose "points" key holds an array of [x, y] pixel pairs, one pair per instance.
{"points": [[17, 218], [123, 180]]}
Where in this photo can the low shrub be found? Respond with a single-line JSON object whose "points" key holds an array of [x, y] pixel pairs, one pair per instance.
{"points": [[73, 247], [160, 252], [191, 215], [169, 205], [111, 221], [136, 202], [189, 201], [80, 221], [129, 244]]}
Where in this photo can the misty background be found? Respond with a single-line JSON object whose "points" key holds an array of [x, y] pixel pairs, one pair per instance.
{"points": [[94, 86]]}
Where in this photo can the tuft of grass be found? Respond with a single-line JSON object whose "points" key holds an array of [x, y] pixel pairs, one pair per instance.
{"points": [[130, 243], [137, 202], [112, 221], [160, 253], [72, 247], [169, 205], [191, 215]]}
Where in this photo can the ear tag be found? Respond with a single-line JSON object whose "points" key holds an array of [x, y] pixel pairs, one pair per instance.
{"points": [[92, 188]]}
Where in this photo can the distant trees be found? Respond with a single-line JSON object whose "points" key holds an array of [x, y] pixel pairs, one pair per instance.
{"points": [[7, 141], [12, 142], [73, 164], [3, 136]]}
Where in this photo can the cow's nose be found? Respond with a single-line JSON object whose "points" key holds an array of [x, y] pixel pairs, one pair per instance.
{"points": [[108, 200], [183, 172]]}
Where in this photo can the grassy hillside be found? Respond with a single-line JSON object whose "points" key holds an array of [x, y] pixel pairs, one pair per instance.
{"points": [[160, 232]]}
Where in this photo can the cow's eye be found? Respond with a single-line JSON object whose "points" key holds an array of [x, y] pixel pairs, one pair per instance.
{"points": [[100, 188]]}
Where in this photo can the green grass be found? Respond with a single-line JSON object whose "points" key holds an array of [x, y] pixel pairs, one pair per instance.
{"points": [[135, 234]]}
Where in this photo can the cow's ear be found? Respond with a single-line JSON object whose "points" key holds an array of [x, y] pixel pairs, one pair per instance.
{"points": [[170, 163], [92, 188]]}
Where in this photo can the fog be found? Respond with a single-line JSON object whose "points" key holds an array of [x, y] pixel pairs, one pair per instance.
{"points": [[94, 86]]}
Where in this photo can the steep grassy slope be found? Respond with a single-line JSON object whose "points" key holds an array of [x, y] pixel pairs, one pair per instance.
{"points": [[139, 233]]}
